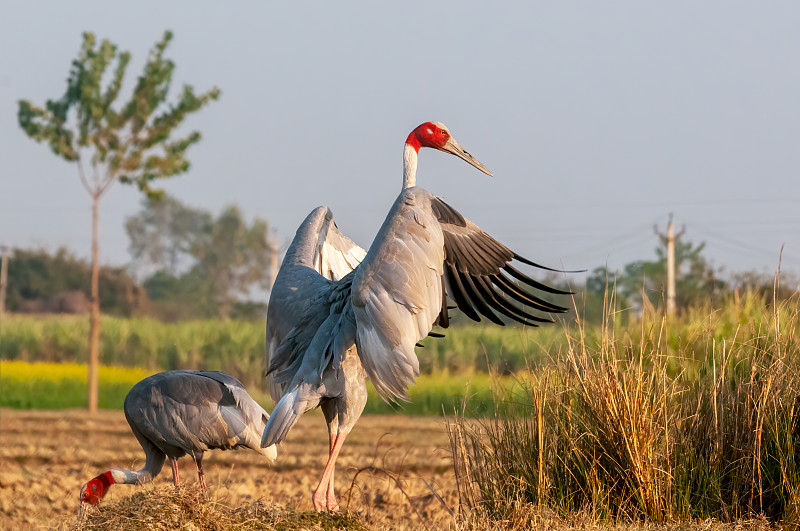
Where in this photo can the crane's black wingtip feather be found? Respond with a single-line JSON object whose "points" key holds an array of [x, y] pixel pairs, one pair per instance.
{"points": [[507, 287], [531, 282], [540, 266]]}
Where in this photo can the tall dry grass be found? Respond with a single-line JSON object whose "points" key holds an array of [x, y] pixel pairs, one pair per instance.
{"points": [[663, 420]]}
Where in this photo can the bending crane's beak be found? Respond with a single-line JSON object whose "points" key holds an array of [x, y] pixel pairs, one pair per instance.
{"points": [[454, 148]]}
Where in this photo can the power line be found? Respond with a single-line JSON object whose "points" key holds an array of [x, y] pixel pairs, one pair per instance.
{"points": [[737, 244]]}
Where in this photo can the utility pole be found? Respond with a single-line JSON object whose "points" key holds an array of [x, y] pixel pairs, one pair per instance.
{"points": [[3, 278], [669, 240], [3, 281], [670, 267]]}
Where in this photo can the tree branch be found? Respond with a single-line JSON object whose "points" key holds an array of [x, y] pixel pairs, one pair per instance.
{"points": [[82, 175], [107, 181], [95, 177]]}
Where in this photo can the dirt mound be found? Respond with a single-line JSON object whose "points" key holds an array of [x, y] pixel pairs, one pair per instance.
{"points": [[167, 508]]}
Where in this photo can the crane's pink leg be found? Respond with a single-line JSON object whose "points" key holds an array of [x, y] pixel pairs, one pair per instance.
{"points": [[175, 478], [198, 460], [175, 475], [332, 504], [323, 499]]}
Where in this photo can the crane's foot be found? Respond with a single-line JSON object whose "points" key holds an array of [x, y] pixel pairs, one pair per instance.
{"points": [[201, 475], [319, 501], [175, 474], [323, 503], [203, 485], [333, 505]]}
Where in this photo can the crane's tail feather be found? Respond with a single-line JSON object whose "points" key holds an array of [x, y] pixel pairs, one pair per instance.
{"points": [[286, 413]]}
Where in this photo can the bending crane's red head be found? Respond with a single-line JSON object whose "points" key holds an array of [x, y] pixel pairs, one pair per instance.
{"points": [[94, 491], [436, 135]]}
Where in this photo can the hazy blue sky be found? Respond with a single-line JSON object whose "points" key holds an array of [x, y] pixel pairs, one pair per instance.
{"points": [[597, 119]]}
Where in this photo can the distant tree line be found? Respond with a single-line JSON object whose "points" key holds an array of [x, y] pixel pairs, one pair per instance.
{"points": [[187, 264], [59, 282]]}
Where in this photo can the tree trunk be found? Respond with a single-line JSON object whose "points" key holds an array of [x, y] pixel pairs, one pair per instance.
{"points": [[94, 316]]}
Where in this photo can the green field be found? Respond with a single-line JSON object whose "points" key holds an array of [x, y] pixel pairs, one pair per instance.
{"points": [[62, 385], [43, 385], [451, 367], [238, 347]]}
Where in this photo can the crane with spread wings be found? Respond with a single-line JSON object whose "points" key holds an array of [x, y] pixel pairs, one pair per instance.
{"points": [[338, 314]]}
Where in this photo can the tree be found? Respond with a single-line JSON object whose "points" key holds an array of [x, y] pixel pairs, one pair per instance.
{"points": [[233, 257], [162, 234], [210, 262], [40, 281], [132, 144]]}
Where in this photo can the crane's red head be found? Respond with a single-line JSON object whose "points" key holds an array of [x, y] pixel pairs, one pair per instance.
{"points": [[436, 135], [430, 134], [94, 491]]}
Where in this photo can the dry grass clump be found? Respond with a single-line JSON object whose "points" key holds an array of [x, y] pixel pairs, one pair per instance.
{"points": [[166, 508], [530, 517], [660, 422]]}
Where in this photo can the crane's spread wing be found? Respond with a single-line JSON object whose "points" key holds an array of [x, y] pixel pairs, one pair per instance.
{"points": [[298, 303], [336, 254], [480, 277], [289, 330], [424, 249]]}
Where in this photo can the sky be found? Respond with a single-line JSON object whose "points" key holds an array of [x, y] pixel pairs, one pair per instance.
{"points": [[598, 120]]}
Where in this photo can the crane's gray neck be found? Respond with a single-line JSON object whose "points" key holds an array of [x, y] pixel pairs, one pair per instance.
{"points": [[409, 166], [129, 477]]}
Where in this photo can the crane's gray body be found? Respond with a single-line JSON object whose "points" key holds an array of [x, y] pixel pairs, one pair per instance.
{"points": [[325, 335], [175, 413]]}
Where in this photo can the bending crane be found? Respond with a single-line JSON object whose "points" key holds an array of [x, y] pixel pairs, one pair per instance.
{"points": [[175, 413]]}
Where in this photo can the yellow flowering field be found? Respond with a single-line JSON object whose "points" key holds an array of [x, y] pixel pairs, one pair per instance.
{"points": [[38, 385]]}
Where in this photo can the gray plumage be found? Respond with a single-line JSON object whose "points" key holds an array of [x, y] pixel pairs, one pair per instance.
{"points": [[330, 327], [190, 412], [175, 413]]}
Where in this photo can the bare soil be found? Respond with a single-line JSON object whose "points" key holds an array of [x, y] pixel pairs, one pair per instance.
{"points": [[46, 456]]}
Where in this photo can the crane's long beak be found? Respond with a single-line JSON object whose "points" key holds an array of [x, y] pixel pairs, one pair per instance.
{"points": [[454, 148]]}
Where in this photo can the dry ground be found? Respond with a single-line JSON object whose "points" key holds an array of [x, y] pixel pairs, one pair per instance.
{"points": [[45, 457]]}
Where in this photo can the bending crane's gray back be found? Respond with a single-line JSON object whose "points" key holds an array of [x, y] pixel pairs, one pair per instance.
{"points": [[184, 412]]}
